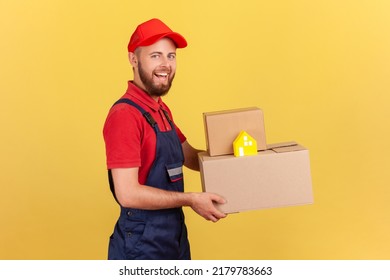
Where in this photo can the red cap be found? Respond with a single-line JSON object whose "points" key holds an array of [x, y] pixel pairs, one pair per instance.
{"points": [[151, 31]]}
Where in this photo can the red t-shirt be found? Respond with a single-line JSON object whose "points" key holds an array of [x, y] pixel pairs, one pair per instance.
{"points": [[130, 140]]}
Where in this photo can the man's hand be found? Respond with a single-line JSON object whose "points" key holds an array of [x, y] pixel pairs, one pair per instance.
{"points": [[203, 204]]}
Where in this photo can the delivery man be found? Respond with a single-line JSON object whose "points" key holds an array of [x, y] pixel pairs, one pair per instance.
{"points": [[146, 152]]}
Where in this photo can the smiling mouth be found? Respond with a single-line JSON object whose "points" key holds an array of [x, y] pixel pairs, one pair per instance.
{"points": [[162, 76]]}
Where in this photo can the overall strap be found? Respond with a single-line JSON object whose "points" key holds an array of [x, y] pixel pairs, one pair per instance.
{"points": [[146, 114], [168, 118]]}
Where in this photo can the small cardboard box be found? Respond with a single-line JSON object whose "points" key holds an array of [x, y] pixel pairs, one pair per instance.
{"points": [[222, 128], [277, 177]]}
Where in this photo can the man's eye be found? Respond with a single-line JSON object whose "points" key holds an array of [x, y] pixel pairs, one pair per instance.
{"points": [[155, 56]]}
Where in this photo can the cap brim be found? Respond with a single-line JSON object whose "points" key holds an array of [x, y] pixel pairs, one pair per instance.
{"points": [[179, 40]]}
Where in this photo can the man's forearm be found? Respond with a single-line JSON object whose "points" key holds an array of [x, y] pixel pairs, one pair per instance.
{"points": [[150, 198]]}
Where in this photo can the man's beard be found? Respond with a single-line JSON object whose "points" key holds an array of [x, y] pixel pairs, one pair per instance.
{"points": [[151, 88]]}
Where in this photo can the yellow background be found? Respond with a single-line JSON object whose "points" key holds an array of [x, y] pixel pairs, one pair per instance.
{"points": [[318, 69]]}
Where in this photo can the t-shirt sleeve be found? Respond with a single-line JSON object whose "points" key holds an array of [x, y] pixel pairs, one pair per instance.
{"points": [[122, 136], [182, 137]]}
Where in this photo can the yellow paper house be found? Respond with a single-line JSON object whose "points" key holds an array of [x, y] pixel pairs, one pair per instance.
{"points": [[244, 145]]}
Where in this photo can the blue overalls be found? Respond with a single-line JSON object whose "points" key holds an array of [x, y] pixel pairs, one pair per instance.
{"points": [[154, 234]]}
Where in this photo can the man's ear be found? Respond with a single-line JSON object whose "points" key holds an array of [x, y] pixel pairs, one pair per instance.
{"points": [[133, 59]]}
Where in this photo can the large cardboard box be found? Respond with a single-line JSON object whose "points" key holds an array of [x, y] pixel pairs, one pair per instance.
{"points": [[222, 128], [277, 177]]}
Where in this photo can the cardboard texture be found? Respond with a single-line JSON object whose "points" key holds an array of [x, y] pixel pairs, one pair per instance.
{"points": [[222, 128], [277, 177]]}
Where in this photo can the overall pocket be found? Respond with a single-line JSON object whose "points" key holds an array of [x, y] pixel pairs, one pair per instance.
{"points": [[175, 171]]}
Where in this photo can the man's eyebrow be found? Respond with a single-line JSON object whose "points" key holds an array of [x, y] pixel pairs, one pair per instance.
{"points": [[160, 53], [155, 52]]}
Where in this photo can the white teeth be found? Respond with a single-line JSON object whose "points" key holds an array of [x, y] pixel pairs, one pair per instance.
{"points": [[162, 74]]}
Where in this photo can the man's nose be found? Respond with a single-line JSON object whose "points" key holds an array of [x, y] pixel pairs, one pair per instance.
{"points": [[165, 61]]}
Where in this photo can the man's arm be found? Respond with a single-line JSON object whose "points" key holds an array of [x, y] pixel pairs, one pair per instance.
{"points": [[191, 160], [131, 194]]}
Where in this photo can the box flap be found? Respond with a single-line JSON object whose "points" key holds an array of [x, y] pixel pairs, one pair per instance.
{"points": [[285, 147]]}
